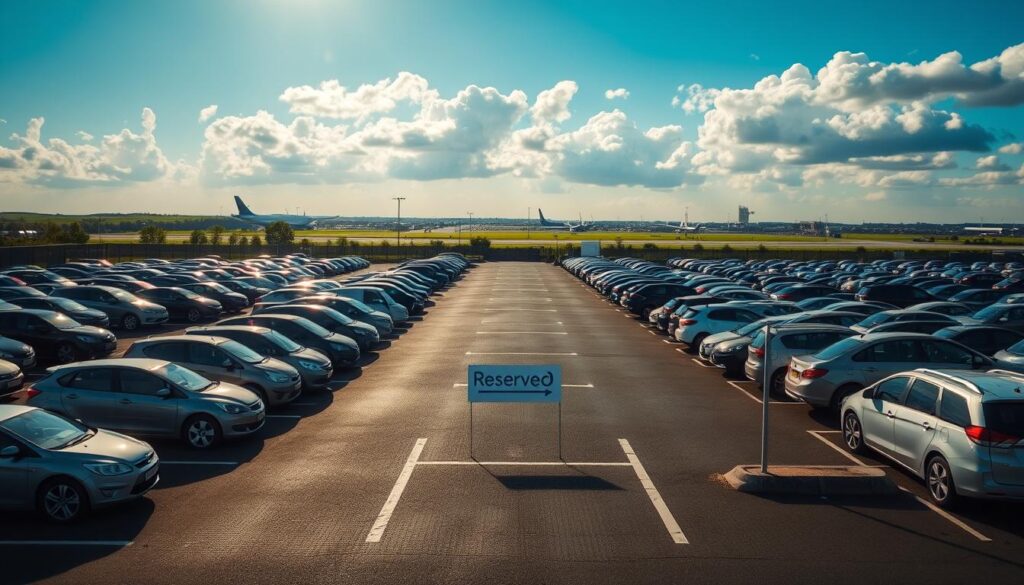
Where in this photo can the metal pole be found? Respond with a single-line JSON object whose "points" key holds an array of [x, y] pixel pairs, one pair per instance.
{"points": [[766, 399], [471, 431], [398, 226], [529, 212], [560, 431]]}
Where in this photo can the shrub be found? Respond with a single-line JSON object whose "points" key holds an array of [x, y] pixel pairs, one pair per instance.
{"points": [[152, 234], [279, 233], [197, 237], [255, 240]]}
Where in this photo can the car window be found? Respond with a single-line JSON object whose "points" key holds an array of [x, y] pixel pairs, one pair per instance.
{"points": [[97, 379], [139, 382], [205, 354], [939, 352], [895, 351], [723, 315], [1005, 416], [172, 352], [892, 389], [922, 396], [953, 409]]}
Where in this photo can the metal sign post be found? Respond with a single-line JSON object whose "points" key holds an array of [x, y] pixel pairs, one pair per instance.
{"points": [[766, 398], [515, 383]]}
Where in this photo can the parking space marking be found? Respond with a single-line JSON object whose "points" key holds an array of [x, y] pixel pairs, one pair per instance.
{"points": [[66, 542], [163, 462], [737, 386], [532, 463], [381, 523], [668, 341], [567, 354], [700, 363], [522, 333], [545, 299], [521, 309], [652, 492], [744, 392], [837, 449]]}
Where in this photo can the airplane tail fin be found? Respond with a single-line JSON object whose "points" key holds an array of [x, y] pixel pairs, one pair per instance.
{"points": [[541, 213], [243, 209]]}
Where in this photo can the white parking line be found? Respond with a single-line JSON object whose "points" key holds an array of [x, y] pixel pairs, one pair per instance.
{"points": [[522, 333], [545, 299], [837, 449], [570, 354], [519, 309], [700, 363], [377, 531], [668, 341], [652, 492], [66, 542], [164, 462], [532, 463], [744, 392]]}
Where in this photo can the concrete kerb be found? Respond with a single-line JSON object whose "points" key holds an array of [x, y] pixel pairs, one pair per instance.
{"points": [[812, 480]]}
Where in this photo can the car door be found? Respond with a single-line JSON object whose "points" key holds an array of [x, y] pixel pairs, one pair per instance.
{"points": [[90, 395], [945, 355], [915, 423], [878, 416], [14, 492], [140, 406]]}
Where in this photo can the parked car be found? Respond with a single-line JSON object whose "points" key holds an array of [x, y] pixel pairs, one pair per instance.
{"points": [[11, 378], [900, 295], [958, 431], [73, 309], [182, 304], [701, 321], [945, 307], [364, 335], [63, 469], [7, 293], [978, 299], [1008, 316], [825, 378], [353, 309], [314, 367], [1011, 358], [877, 319], [788, 340], [18, 353], [928, 327], [984, 339], [122, 308], [232, 302], [226, 360], [55, 336], [342, 350], [377, 299], [149, 397]]}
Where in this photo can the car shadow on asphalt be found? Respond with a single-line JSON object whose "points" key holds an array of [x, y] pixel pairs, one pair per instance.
{"points": [[556, 482], [119, 525]]}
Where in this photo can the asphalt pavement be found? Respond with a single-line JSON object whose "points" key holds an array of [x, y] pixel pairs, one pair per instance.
{"points": [[375, 481]]}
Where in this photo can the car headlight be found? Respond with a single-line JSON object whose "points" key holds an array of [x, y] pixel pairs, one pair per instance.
{"points": [[231, 407], [86, 339], [733, 348], [108, 469], [277, 377], [310, 365]]}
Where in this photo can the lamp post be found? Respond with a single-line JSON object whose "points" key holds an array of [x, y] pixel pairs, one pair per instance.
{"points": [[398, 226]]}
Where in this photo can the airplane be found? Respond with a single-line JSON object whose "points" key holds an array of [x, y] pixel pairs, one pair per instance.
{"points": [[295, 221], [561, 225], [684, 226]]}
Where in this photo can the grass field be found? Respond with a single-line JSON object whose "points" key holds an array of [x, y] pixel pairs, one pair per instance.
{"points": [[19, 216]]}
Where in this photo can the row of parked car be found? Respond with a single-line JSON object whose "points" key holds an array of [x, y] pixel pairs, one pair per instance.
{"points": [[207, 384], [903, 351]]}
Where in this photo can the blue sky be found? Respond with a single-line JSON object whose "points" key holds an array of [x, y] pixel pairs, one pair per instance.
{"points": [[94, 67]]}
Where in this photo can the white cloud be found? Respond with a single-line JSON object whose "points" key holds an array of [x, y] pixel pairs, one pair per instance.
{"points": [[208, 112], [990, 163], [552, 105], [333, 100], [876, 196], [119, 158], [84, 136], [1012, 148], [620, 93]]}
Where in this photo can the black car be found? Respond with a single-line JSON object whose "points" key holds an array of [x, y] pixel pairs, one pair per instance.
{"points": [[14, 292], [182, 304], [56, 336], [799, 292], [342, 350], [232, 302], [250, 291], [17, 352], [132, 286], [69, 307], [981, 338], [900, 295], [365, 335], [648, 297]]}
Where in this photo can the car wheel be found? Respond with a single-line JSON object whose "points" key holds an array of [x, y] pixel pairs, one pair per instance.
{"points": [[130, 322], [778, 382], [201, 432], [853, 433], [62, 500], [940, 482], [695, 346], [193, 315], [66, 353], [840, 394]]}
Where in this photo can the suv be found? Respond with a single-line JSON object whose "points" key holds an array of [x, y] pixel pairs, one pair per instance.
{"points": [[788, 340], [959, 431], [901, 295]]}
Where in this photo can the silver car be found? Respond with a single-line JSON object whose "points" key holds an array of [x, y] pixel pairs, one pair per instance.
{"points": [[962, 432], [226, 360], [825, 378], [11, 378], [63, 468], [314, 367], [788, 340], [149, 397], [124, 309]]}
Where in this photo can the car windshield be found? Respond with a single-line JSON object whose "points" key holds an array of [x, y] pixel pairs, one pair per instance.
{"points": [[185, 378], [360, 305], [752, 327], [242, 352], [187, 293], [837, 349], [60, 320], [988, 312], [217, 287], [875, 319], [316, 329], [68, 304], [124, 296], [1017, 348], [46, 430], [283, 342]]}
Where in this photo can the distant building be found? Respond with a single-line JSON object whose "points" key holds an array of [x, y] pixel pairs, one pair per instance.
{"points": [[745, 213], [812, 228]]}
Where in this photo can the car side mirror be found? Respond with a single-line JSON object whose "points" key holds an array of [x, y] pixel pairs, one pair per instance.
{"points": [[228, 364], [10, 452], [869, 393], [164, 392]]}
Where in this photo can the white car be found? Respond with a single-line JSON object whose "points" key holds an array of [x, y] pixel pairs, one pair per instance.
{"points": [[699, 322]]}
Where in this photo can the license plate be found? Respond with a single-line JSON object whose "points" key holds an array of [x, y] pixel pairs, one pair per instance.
{"points": [[152, 471], [793, 374]]}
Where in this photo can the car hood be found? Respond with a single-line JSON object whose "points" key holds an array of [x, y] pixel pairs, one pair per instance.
{"points": [[312, 355], [7, 368], [229, 392], [278, 366], [720, 337], [14, 347], [90, 313], [108, 444], [91, 331], [343, 340]]}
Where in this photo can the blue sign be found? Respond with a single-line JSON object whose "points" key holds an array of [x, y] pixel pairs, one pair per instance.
{"points": [[507, 383]]}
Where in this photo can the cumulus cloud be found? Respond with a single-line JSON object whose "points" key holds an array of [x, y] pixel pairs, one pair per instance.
{"points": [[332, 100], [208, 112], [990, 163], [119, 158], [1012, 148], [620, 93], [552, 105]]}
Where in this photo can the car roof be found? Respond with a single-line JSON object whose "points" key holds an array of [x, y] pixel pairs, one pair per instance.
{"points": [[142, 363], [216, 328], [12, 410], [994, 384], [791, 327], [211, 339]]}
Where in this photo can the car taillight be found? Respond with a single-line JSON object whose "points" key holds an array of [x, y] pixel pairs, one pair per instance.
{"points": [[990, 438], [811, 373], [32, 392], [782, 296], [687, 322], [758, 351]]}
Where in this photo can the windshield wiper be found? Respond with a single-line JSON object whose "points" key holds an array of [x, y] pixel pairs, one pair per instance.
{"points": [[84, 436]]}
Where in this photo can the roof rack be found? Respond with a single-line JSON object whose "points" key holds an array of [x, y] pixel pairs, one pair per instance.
{"points": [[949, 377], [1009, 373]]}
